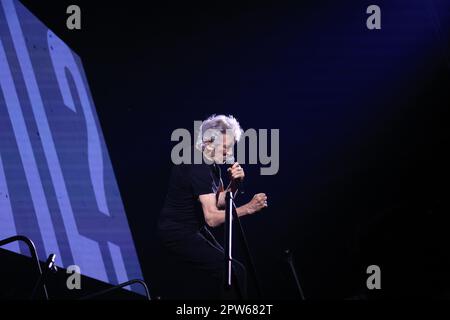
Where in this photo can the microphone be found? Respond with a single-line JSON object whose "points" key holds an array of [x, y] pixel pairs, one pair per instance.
{"points": [[238, 183]]}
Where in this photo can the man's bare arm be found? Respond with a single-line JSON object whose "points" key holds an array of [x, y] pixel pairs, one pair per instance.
{"points": [[215, 216]]}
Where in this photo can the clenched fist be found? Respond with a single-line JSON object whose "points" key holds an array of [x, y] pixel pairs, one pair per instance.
{"points": [[258, 203]]}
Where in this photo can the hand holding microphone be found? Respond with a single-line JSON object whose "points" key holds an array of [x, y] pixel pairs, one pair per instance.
{"points": [[236, 173], [259, 201]]}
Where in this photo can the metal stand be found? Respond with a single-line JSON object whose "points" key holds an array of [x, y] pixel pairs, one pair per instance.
{"points": [[230, 217], [228, 243], [290, 261], [34, 257], [119, 286], [49, 267]]}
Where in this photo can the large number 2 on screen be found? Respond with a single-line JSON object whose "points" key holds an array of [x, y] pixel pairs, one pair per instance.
{"points": [[86, 252]]}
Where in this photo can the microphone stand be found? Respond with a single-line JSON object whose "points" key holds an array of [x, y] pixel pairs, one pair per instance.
{"points": [[230, 216], [290, 261], [34, 256], [117, 287], [228, 243], [49, 267]]}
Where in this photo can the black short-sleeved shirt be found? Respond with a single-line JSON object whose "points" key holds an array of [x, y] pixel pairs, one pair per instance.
{"points": [[182, 213]]}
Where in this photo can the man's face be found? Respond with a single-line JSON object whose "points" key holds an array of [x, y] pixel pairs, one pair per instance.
{"points": [[223, 147]]}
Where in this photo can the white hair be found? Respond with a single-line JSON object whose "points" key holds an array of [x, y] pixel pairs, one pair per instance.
{"points": [[215, 124]]}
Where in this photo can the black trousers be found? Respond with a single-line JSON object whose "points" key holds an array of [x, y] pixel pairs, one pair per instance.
{"points": [[201, 251]]}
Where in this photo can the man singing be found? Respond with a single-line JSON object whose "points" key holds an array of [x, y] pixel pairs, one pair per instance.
{"points": [[195, 201]]}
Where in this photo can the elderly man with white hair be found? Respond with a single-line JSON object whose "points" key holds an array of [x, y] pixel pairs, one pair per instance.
{"points": [[195, 201]]}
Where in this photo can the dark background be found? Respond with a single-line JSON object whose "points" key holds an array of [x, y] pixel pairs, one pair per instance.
{"points": [[362, 118]]}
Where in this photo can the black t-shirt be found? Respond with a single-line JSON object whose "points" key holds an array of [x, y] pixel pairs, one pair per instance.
{"points": [[182, 213]]}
